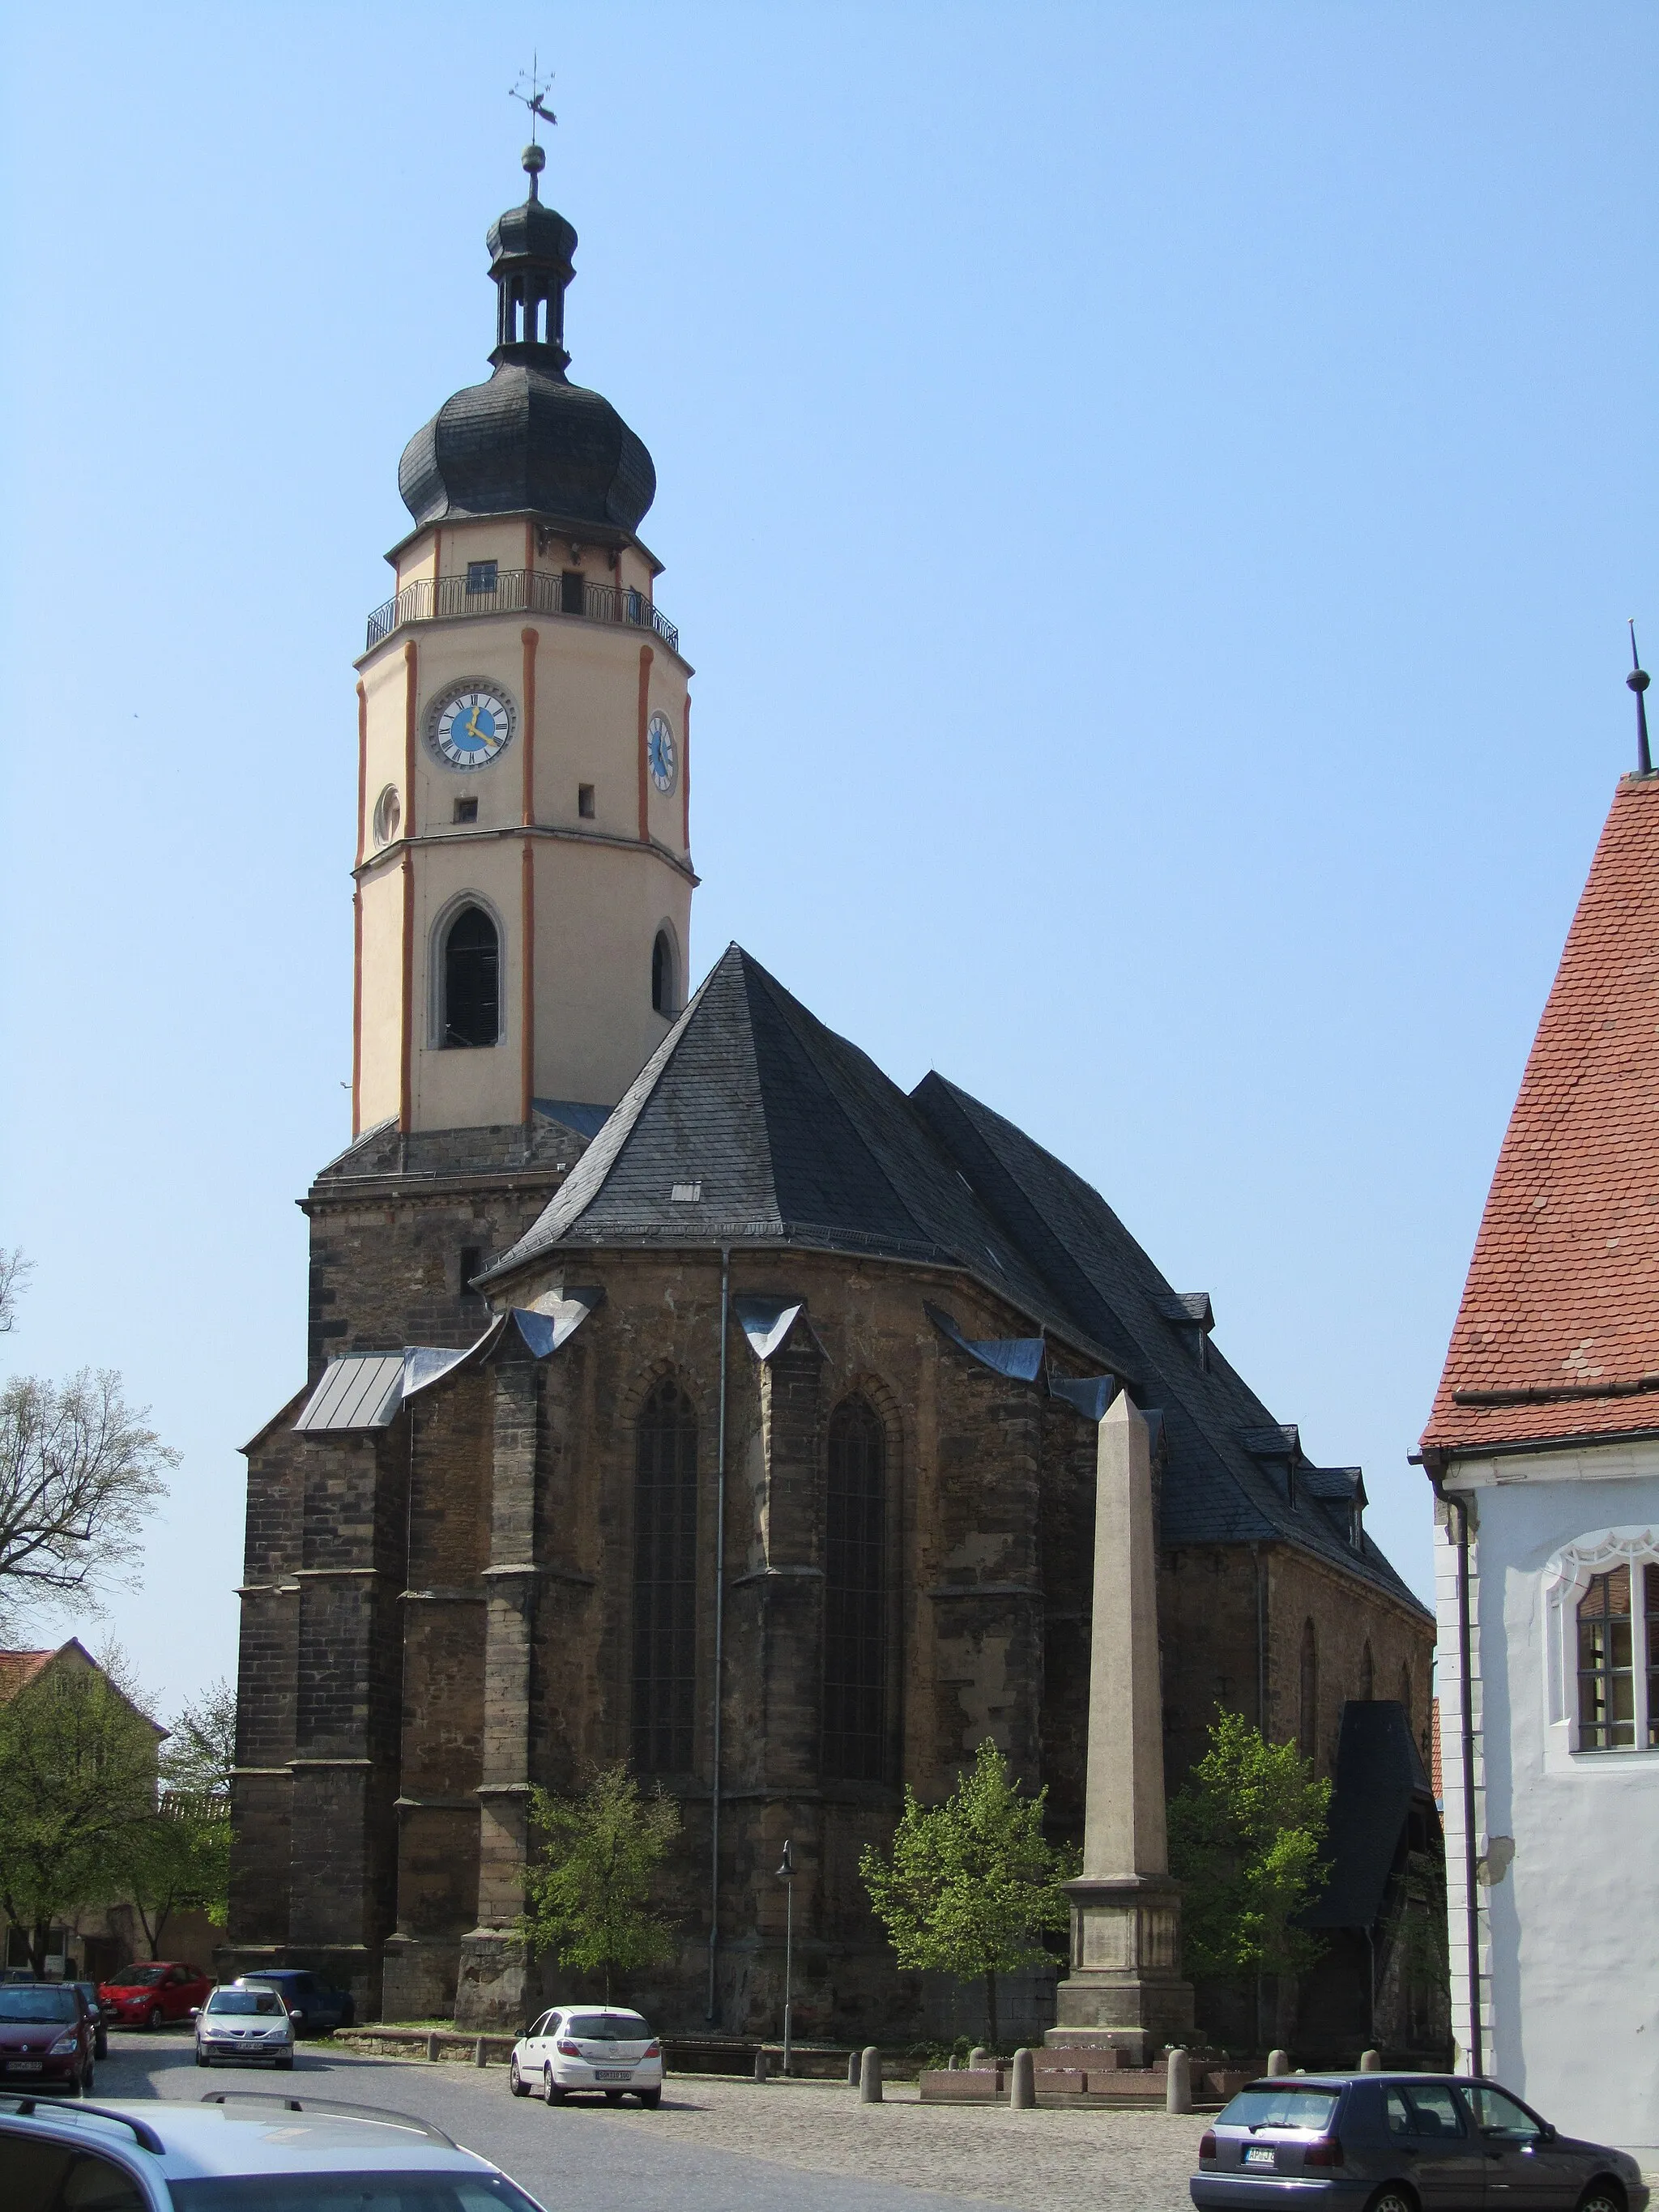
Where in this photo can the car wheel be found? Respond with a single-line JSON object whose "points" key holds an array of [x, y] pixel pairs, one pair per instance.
{"points": [[515, 2081], [201, 2059], [1392, 2197], [650, 2098], [1602, 2197], [154, 2017], [613, 2096], [551, 2093], [285, 2065]]}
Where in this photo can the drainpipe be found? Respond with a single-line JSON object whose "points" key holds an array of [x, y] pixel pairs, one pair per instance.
{"points": [[1459, 1506], [719, 1638]]}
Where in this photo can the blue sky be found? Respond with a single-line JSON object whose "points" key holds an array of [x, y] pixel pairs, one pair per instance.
{"points": [[1152, 495]]}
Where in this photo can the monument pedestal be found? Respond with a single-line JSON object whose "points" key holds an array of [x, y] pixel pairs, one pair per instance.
{"points": [[1125, 1989]]}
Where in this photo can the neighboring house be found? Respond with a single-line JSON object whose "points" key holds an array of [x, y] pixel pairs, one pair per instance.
{"points": [[1543, 1448], [100, 1938]]}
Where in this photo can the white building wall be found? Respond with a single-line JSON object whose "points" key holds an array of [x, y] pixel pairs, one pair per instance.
{"points": [[1567, 1841]]}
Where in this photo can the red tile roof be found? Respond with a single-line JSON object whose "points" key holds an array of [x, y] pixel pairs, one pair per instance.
{"points": [[1558, 1335], [17, 1667]]}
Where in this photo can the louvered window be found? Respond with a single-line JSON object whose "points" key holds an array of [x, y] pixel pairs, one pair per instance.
{"points": [[855, 1596], [665, 1581]]}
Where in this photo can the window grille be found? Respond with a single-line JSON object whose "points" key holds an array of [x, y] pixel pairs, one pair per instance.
{"points": [[1606, 1677], [472, 962], [481, 576], [665, 1581], [855, 1596]]}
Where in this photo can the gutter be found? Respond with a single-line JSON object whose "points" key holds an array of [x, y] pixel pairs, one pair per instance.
{"points": [[1434, 1467]]}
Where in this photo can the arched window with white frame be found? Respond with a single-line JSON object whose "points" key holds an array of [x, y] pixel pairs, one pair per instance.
{"points": [[470, 971], [1601, 1597]]}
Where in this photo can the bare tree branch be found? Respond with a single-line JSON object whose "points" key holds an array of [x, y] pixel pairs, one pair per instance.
{"points": [[13, 1270], [79, 1474]]}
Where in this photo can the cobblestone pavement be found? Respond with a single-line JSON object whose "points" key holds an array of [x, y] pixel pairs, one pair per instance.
{"points": [[784, 2147]]}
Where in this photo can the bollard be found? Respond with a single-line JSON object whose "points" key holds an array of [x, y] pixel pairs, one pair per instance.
{"points": [[1178, 2083], [1279, 2061], [1022, 2090], [480, 2056], [1370, 2061], [762, 2065], [979, 2058], [432, 2043], [852, 2069], [870, 2076]]}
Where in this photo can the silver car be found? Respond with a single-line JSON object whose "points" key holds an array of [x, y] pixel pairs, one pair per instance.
{"points": [[239, 2151], [245, 2027]]}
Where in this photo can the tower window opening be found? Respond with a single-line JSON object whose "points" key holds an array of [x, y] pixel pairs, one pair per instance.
{"points": [[472, 969], [572, 592], [665, 1581], [481, 575], [1307, 1701], [585, 801], [466, 809], [662, 976], [388, 814], [471, 1265], [856, 1595]]}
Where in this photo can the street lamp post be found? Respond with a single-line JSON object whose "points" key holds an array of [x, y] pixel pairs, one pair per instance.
{"points": [[786, 1876]]}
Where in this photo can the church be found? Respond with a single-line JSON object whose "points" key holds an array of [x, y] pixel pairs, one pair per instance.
{"points": [[680, 1390]]}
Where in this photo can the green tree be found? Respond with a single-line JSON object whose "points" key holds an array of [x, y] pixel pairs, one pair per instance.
{"points": [[201, 1746], [77, 1786], [1246, 1831], [177, 1860], [971, 1883], [588, 1894]]}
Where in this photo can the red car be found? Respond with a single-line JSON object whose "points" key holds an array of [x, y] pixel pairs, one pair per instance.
{"points": [[47, 2034], [148, 1994]]}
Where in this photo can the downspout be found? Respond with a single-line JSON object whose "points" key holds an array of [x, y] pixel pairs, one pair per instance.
{"points": [[719, 1638], [1459, 1506]]}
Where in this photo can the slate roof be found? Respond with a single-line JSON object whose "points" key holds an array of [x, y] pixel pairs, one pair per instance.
{"points": [[789, 1134], [1558, 1335], [1379, 1770]]}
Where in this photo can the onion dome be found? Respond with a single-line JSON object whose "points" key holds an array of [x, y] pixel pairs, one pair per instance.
{"points": [[529, 440]]}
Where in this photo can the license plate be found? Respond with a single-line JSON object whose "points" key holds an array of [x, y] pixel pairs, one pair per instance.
{"points": [[1258, 2155], [25, 2066], [600, 2074]]}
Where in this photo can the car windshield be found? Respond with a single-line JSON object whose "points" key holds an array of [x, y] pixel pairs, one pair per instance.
{"points": [[243, 2001], [351, 2192], [38, 2001], [1281, 2106], [141, 1978], [607, 2027]]}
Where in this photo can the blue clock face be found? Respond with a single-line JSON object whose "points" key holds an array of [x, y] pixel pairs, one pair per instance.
{"points": [[660, 753], [468, 726]]}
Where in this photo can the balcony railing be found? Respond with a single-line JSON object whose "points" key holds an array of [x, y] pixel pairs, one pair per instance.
{"points": [[519, 591]]}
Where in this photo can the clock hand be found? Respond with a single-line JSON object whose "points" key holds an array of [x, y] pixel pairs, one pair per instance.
{"points": [[473, 729]]}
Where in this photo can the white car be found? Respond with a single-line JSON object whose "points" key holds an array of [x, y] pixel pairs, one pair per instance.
{"points": [[238, 2152], [250, 2026], [595, 2047]]}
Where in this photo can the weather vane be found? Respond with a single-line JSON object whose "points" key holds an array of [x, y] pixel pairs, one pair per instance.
{"points": [[533, 99]]}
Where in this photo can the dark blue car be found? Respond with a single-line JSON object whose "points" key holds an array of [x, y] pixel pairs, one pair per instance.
{"points": [[1403, 2143], [314, 2008]]}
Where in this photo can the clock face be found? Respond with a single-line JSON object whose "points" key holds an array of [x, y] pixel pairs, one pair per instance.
{"points": [[468, 725], [661, 755]]}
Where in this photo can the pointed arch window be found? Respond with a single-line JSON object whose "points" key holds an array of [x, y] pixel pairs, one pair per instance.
{"points": [[662, 975], [472, 980], [1307, 1703], [665, 1581], [856, 1595]]}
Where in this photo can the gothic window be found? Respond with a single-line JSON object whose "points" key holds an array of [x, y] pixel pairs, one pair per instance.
{"points": [[1367, 1674], [856, 1595], [1607, 1676], [662, 975], [665, 1580], [1307, 1724], [473, 986]]}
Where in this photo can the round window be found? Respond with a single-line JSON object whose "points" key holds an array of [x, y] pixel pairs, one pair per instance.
{"points": [[388, 814]]}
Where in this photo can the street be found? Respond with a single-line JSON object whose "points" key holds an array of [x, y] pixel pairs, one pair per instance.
{"points": [[784, 2147]]}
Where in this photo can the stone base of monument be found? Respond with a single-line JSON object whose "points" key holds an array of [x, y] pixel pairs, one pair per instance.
{"points": [[1125, 1991]]}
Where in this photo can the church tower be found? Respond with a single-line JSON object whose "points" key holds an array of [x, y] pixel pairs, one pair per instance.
{"points": [[523, 868]]}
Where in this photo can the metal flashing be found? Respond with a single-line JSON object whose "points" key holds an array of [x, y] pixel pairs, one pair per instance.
{"points": [[1089, 1394], [1018, 1358], [767, 1323]]}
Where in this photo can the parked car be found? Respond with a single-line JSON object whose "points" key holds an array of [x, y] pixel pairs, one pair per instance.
{"points": [[249, 2025], [314, 2006], [48, 2036], [151, 1993], [1403, 2143], [235, 2150], [588, 2047]]}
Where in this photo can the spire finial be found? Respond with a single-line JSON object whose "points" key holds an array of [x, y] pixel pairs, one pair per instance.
{"points": [[1638, 681], [534, 160]]}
